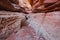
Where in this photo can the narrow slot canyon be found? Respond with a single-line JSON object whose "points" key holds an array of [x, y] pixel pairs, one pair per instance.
{"points": [[30, 20]]}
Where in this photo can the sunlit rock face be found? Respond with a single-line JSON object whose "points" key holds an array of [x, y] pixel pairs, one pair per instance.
{"points": [[10, 22], [25, 4], [46, 24]]}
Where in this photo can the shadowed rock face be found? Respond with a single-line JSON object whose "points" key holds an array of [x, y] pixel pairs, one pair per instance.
{"points": [[11, 5], [15, 1], [50, 1], [45, 6]]}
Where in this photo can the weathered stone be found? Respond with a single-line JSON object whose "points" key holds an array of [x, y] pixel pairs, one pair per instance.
{"points": [[26, 33], [41, 26], [47, 24], [10, 22]]}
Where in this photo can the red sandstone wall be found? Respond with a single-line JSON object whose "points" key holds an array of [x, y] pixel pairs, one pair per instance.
{"points": [[50, 1], [48, 25], [41, 27]]}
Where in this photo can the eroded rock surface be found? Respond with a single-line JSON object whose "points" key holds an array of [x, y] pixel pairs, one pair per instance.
{"points": [[47, 25], [40, 26], [10, 22]]}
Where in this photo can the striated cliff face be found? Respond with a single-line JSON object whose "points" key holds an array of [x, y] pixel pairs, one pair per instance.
{"points": [[30, 5], [50, 1]]}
